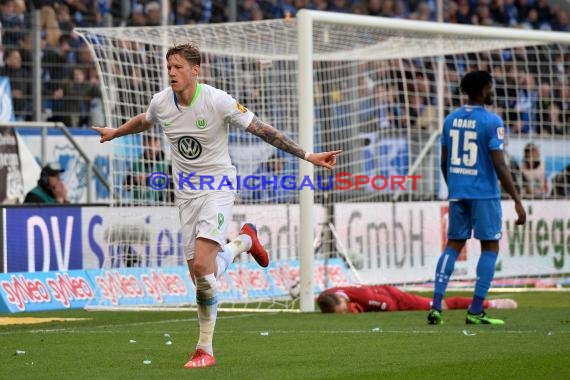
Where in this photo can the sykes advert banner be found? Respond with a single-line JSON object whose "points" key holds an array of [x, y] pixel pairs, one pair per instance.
{"points": [[170, 286], [44, 291], [241, 282]]}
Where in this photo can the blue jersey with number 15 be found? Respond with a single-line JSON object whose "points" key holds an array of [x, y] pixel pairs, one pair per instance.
{"points": [[470, 133]]}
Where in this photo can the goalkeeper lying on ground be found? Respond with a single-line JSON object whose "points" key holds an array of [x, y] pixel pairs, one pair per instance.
{"points": [[363, 298]]}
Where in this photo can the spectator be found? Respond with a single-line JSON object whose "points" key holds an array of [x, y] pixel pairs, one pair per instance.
{"points": [[532, 168], [425, 112], [50, 27], [64, 20], [561, 184], [374, 7], [247, 10], [511, 13], [219, 12], [383, 115], [450, 13], [532, 22], [319, 5], [387, 8], [152, 11], [81, 13], [516, 174], [13, 22], [185, 13], [152, 161], [284, 9], [273, 167], [369, 298], [563, 102], [25, 47], [560, 22], [340, 6], [19, 82], [527, 102], [138, 17], [548, 113], [50, 188], [523, 9], [257, 14], [57, 66], [464, 14], [483, 15], [422, 12], [400, 9], [543, 12], [77, 97]]}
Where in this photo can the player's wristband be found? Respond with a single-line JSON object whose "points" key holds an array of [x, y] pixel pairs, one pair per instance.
{"points": [[307, 154]]}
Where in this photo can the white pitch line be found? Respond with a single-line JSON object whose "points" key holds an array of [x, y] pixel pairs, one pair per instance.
{"points": [[92, 329], [373, 331]]}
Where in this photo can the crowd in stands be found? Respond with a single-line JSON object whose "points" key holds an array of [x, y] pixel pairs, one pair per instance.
{"points": [[70, 85], [71, 88]]}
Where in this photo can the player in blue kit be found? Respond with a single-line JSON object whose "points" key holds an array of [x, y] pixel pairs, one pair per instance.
{"points": [[472, 162]]}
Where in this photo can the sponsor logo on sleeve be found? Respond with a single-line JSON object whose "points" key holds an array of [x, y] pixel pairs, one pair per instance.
{"points": [[501, 133], [241, 108]]}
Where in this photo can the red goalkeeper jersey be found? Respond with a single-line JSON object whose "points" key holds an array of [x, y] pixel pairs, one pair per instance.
{"points": [[381, 298]]}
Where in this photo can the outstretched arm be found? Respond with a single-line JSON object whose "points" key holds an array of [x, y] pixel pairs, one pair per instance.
{"points": [[281, 141], [135, 125]]}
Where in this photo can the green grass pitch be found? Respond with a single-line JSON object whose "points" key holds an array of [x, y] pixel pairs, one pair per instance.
{"points": [[534, 344]]}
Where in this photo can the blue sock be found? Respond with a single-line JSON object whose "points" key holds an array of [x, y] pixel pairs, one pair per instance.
{"points": [[443, 271], [485, 274]]}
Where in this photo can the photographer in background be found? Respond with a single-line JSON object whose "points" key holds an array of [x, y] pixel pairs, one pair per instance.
{"points": [[50, 188]]}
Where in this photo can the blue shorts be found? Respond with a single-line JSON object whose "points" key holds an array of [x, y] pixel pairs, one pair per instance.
{"points": [[482, 216]]}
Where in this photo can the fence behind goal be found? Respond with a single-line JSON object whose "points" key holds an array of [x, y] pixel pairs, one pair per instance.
{"points": [[378, 89]]}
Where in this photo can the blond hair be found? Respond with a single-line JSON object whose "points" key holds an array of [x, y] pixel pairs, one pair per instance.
{"points": [[189, 52], [49, 23]]}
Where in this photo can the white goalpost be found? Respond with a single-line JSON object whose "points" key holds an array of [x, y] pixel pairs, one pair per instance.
{"points": [[376, 88]]}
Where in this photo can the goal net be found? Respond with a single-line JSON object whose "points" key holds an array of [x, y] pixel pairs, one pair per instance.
{"points": [[376, 88]]}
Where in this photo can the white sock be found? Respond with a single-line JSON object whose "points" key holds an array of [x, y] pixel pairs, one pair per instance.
{"points": [[239, 245], [229, 252], [207, 302], [224, 259]]}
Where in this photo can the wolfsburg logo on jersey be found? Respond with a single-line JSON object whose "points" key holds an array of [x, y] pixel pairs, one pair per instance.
{"points": [[189, 148], [201, 123]]}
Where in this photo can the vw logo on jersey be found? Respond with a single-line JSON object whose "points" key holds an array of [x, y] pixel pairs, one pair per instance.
{"points": [[189, 147]]}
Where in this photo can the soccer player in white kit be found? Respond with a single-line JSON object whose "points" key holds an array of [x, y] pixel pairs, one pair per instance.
{"points": [[195, 119]]}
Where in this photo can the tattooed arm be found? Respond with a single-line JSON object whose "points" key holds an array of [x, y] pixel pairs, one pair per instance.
{"points": [[281, 141], [272, 136]]}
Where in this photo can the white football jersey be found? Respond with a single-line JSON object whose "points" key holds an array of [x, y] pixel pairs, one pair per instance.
{"points": [[198, 138]]}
